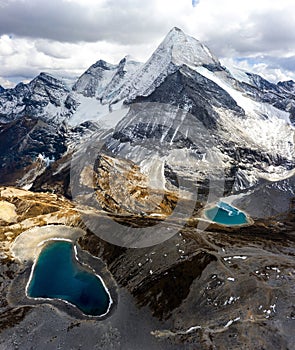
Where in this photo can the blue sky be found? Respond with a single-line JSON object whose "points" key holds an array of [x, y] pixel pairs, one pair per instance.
{"points": [[64, 37]]}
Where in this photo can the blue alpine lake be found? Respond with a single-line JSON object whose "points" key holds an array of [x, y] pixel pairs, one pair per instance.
{"points": [[223, 213], [58, 274]]}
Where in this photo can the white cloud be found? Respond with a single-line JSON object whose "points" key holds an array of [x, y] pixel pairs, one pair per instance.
{"points": [[270, 72], [6, 83], [66, 36], [245, 27], [27, 58]]}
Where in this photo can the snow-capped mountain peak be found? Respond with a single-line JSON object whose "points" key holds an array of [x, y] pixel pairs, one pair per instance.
{"points": [[43, 97], [187, 50], [241, 110], [48, 79], [49, 87], [95, 79], [288, 85], [175, 50], [104, 80], [125, 72]]}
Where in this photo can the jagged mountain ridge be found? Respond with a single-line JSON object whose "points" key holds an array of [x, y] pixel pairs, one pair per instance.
{"points": [[128, 79], [177, 49], [34, 98], [103, 80], [249, 118], [50, 98]]}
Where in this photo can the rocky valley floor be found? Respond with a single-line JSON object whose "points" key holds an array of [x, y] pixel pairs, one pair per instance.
{"points": [[216, 289]]}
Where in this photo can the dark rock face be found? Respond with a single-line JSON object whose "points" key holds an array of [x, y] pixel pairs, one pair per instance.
{"points": [[27, 139], [179, 278], [289, 85], [90, 82], [281, 95], [270, 199], [262, 84], [214, 67], [55, 180], [71, 104], [189, 90], [45, 87], [32, 98]]}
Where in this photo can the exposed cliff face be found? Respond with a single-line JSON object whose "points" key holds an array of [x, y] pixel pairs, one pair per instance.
{"points": [[176, 50], [43, 97], [121, 188], [95, 79], [28, 210], [105, 81], [27, 147]]}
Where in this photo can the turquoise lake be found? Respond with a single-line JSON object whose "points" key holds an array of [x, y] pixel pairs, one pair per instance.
{"points": [[225, 214], [58, 274]]}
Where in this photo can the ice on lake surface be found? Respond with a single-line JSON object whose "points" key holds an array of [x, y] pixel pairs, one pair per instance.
{"points": [[225, 214]]}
